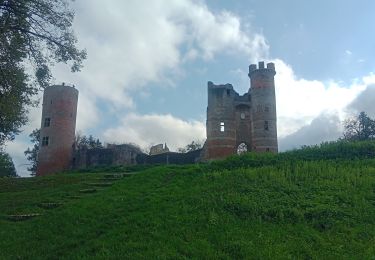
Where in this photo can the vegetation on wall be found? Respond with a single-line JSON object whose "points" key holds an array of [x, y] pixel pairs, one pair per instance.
{"points": [[87, 142], [193, 146]]}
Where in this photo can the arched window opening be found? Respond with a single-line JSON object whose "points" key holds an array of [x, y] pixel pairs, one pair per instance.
{"points": [[242, 148]]}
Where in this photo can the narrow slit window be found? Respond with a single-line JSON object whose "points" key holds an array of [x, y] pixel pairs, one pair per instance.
{"points": [[266, 125], [266, 109], [222, 127], [45, 141], [228, 92], [47, 122]]}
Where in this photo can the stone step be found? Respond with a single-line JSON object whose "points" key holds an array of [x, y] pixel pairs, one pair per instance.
{"points": [[100, 184], [88, 190], [49, 205], [74, 197], [22, 217]]}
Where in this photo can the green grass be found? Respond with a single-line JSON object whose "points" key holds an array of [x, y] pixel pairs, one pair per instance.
{"points": [[252, 206]]}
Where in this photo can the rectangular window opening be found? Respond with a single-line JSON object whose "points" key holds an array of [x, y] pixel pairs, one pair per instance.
{"points": [[266, 126], [45, 141], [47, 122], [222, 127]]}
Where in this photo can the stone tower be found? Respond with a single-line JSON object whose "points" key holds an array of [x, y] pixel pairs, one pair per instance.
{"points": [[237, 122], [264, 127], [221, 123], [57, 130]]}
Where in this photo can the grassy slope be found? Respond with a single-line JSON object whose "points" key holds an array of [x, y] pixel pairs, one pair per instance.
{"points": [[288, 209]]}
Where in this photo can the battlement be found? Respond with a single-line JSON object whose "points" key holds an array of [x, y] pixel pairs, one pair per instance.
{"points": [[270, 68], [62, 85], [211, 85]]}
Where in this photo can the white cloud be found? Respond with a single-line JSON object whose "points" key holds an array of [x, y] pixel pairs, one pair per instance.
{"points": [[154, 129], [325, 127], [299, 101], [364, 102], [87, 113], [132, 43]]}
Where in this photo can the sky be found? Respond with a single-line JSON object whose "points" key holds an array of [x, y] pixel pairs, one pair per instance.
{"points": [[145, 78]]}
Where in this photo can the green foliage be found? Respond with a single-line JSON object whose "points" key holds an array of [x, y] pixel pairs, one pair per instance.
{"points": [[6, 166], [360, 128], [84, 142], [193, 146], [33, 34], [338, 151], [32, 154], [295, 205]]}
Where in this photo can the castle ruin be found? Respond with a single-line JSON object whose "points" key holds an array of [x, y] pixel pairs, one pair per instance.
{"points": [[242, 123], [234, 124]]}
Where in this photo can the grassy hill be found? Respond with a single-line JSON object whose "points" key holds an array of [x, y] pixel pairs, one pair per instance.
{"points": [[316, 202]]}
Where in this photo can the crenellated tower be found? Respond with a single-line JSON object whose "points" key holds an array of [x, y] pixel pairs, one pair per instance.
{"points": [[57, 132], [263, 99]]}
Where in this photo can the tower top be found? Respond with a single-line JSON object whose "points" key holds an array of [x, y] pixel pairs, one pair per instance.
{"points": [[269, 69]]}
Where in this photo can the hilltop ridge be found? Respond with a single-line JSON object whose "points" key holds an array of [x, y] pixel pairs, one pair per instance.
{"points": [[314, 202]]}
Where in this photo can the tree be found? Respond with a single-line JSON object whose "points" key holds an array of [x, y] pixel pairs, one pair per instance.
{"points": [[193, 146], [32, 154], [84, 142], [7, 168], [33, 35], [359, 128]]}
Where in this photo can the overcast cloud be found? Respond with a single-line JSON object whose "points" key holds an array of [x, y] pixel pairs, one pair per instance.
{"points": [[365, 101]]}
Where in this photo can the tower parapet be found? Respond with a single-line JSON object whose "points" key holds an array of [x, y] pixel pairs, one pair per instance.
{"points": [[269, 69], [57, 132]]}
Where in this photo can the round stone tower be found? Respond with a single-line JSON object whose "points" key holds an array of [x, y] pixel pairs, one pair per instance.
{"points": [[263, 106], [57, 130]]}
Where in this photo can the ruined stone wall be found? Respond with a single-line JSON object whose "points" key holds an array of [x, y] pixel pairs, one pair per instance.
{"points": [[129, 155], [113, 155], [57, 130], [158, 149], [170, 158], [243, 118], [221, 123]]}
